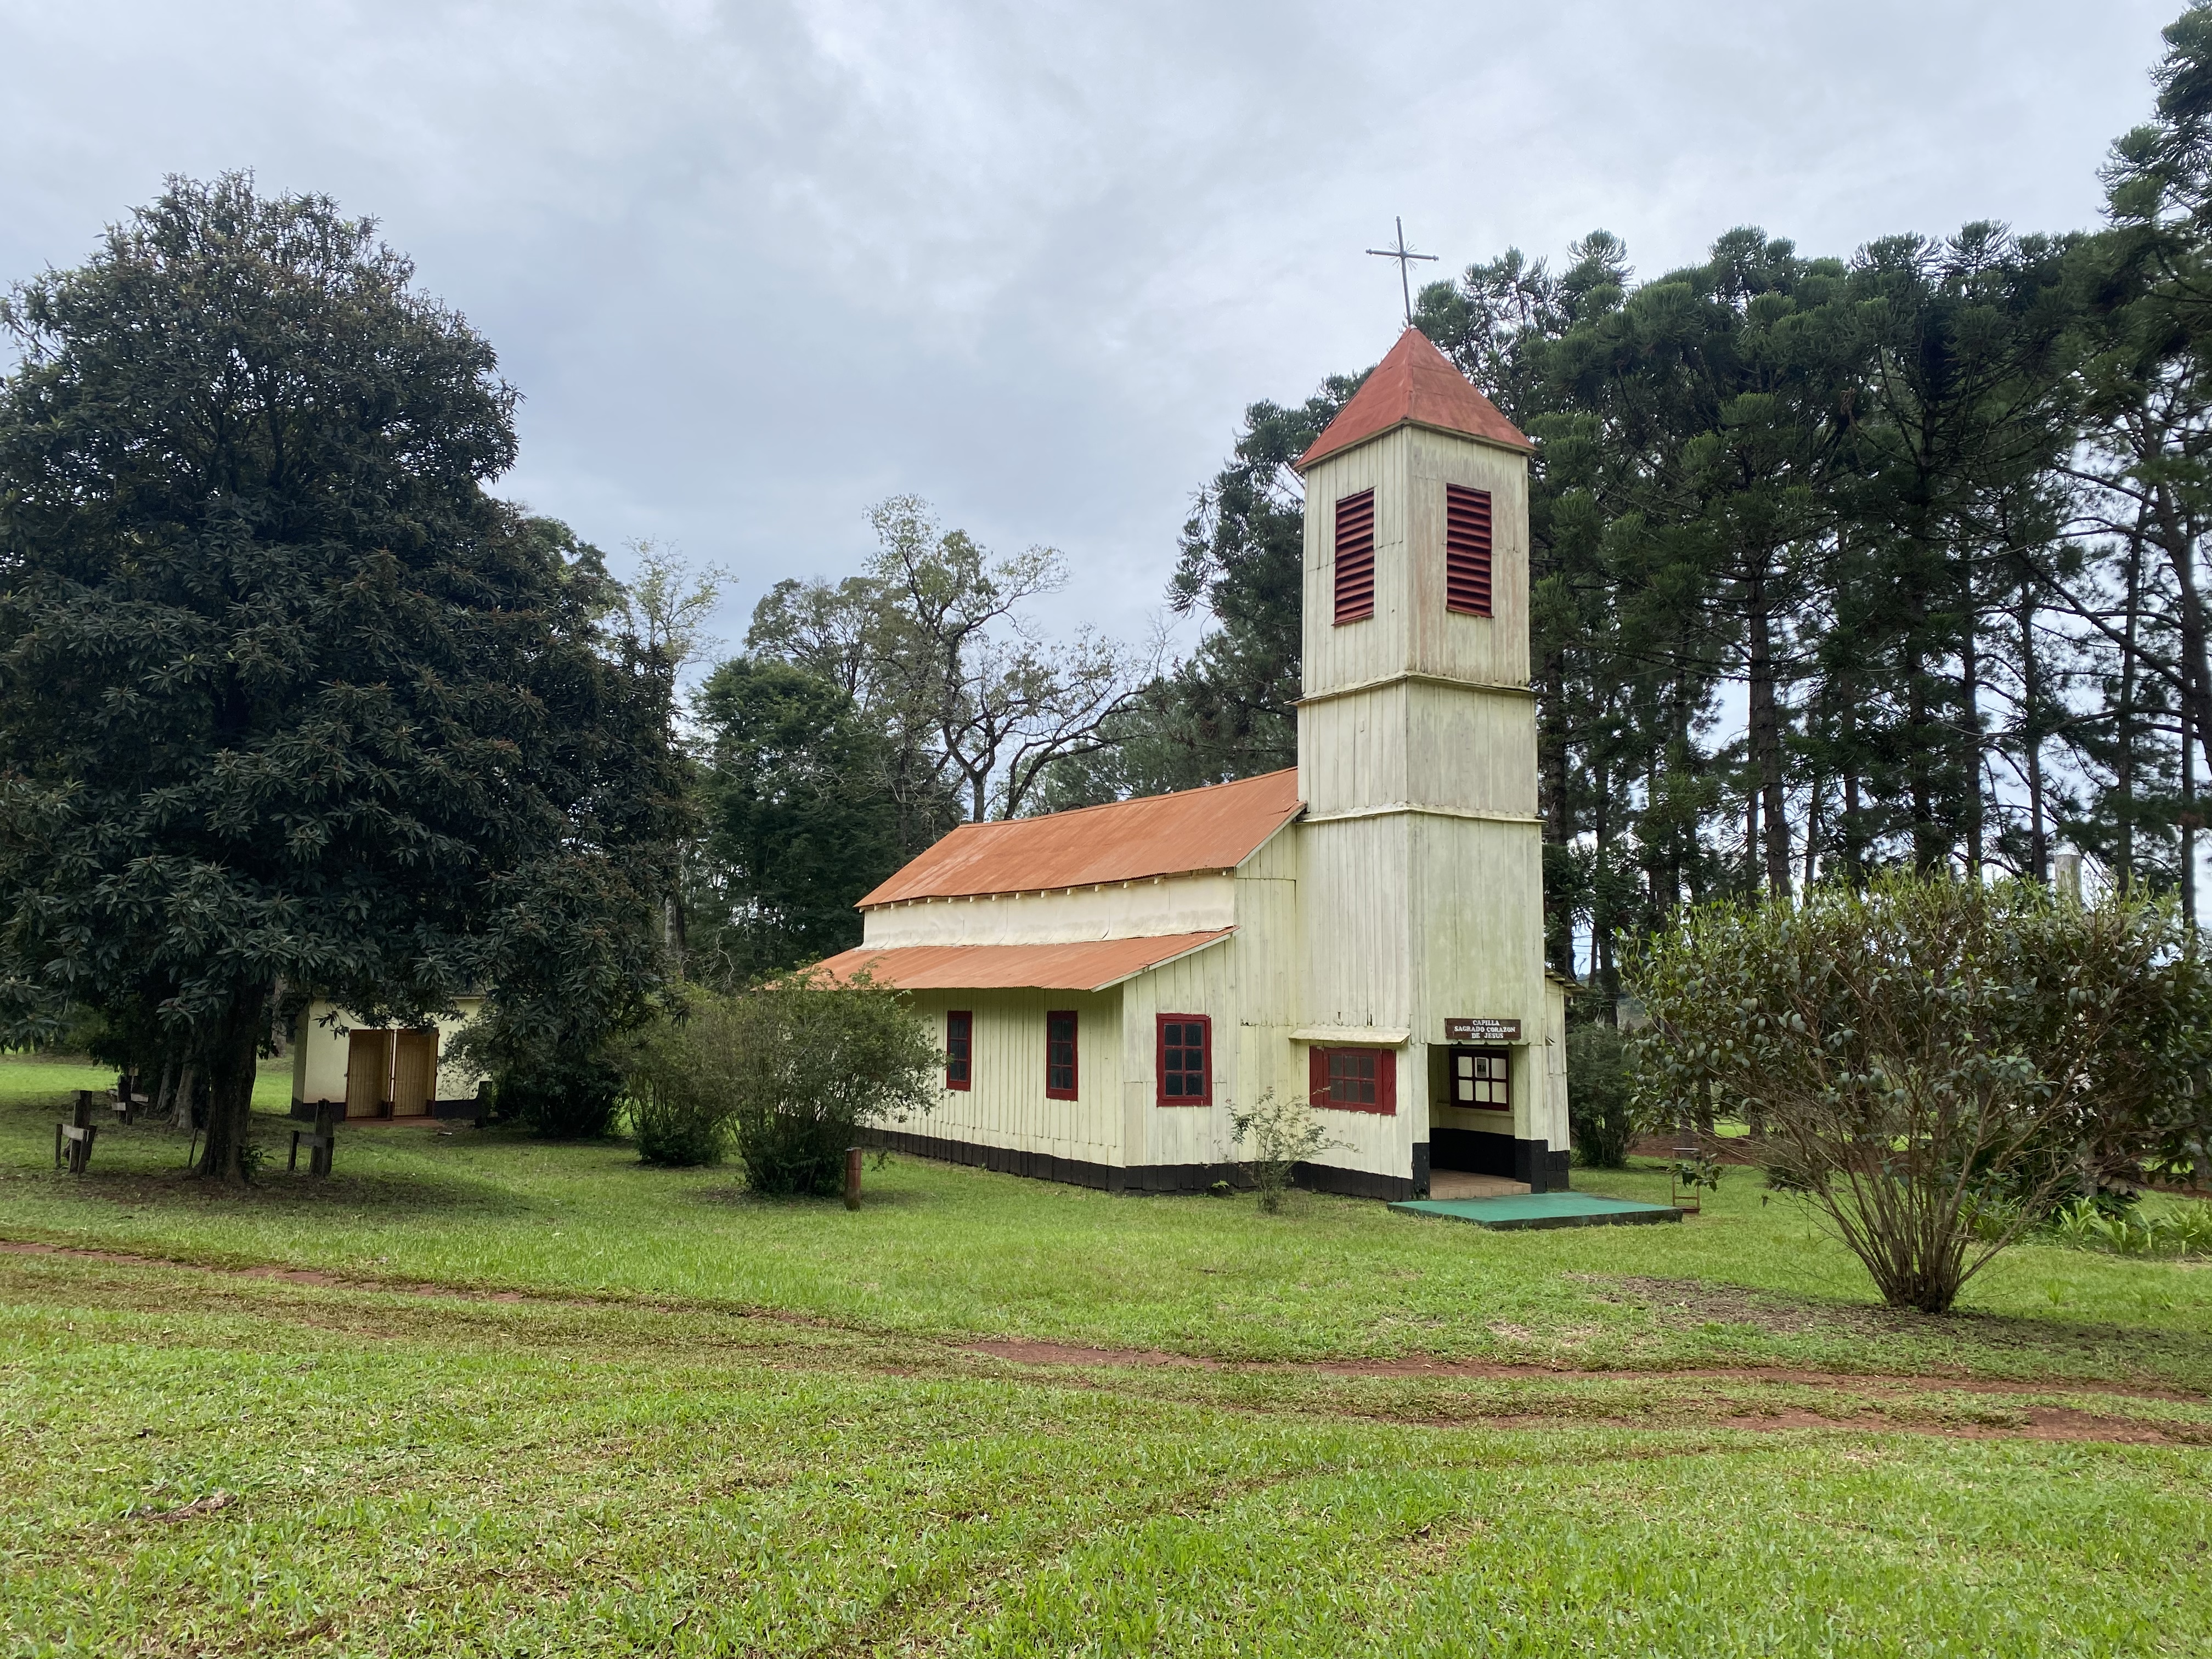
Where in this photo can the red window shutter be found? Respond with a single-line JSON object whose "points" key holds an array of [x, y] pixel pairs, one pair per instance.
{"points": [[1317, 1076], [1355, 557], [1386, 1082], [1467, 551], [1061, 1076]]}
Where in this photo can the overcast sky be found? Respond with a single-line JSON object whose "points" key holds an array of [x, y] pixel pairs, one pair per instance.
{"points": [[756, 266]]}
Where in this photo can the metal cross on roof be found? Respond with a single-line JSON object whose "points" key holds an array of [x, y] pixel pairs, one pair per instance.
{"points": [[1405, 257]]}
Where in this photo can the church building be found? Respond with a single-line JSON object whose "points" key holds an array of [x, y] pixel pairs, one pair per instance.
{"points": [[1363, 934]]}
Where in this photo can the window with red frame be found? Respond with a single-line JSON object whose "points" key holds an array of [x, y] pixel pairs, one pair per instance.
{"points": [[1355, 1079], [1186, 1059], [1467, 551], [1355, 557], [959, 1049], [1059, 1056]]}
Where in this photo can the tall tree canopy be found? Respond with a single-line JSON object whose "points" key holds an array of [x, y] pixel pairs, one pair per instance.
{"points": [[288, 702]]}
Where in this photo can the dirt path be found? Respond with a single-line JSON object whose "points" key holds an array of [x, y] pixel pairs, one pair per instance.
{"points": [[2034, 1422]]}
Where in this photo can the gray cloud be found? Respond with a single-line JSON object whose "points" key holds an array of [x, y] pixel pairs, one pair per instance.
{"points": [[756, 266]]}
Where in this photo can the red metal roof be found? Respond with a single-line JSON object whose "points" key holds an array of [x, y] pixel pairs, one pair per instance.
{"points": [[1216, 827], [1417, 383], [1093, 965]]}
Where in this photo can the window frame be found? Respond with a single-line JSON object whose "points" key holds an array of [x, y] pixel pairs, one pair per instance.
{"points": [[962, 1020], [1451, 1078], [1073, 1092], [1357, 609], [1386, 1078], [1205, 1095]]}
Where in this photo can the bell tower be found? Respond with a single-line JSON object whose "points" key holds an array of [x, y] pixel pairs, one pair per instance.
{"points": [[1422, 856]]}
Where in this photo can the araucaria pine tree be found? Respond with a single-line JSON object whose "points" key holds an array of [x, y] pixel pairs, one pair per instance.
{"points": [[288, 702]]}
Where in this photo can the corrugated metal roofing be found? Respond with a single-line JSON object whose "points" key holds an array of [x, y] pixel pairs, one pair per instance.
{"points": [[1092, 965], [1417, 383], [1216, 827]]}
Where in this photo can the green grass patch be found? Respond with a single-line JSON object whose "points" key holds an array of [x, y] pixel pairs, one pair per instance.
{"points": [[705, 1423]]}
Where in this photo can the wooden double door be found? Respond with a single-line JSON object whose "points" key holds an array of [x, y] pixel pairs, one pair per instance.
{"points": [[391, 1073]]}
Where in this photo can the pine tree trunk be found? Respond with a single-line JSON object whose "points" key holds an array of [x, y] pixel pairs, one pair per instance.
{"points": [[1970, 682], [2030, 670], [2123, 767], [1766, 737], [231, 1050]]}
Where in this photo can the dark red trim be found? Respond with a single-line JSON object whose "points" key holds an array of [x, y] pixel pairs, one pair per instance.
{"points": [[1386, 1081], [959, 1049], [1074, 1076], [1354, 566], [1205, 1095]]}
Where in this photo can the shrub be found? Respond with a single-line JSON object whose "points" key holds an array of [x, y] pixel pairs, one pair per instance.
{"points": [[1922, 1048], [1600, 1105], [679, 1087], [1283, 1134], [812, 1062]]}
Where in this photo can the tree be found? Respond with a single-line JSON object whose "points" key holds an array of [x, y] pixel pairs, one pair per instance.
{"points": [[1935, 1063], [800, 820], [287, 699]]}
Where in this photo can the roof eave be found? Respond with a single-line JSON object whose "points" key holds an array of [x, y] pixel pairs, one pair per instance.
{"points": [[1309, 459]]}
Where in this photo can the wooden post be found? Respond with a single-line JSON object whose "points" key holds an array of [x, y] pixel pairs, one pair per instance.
{"points": [[852, 1178], [76, 1135], [320, 1140]]}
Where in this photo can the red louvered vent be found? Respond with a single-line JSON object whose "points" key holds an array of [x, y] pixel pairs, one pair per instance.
{"points": [[1467, 551], [1355, 557]]}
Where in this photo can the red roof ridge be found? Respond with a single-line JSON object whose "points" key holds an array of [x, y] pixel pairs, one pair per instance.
{"points": [[1216, 826], [1415, 385]]}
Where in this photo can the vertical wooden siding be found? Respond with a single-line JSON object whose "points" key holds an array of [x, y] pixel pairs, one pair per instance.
{"points": [[1005, 1104]]}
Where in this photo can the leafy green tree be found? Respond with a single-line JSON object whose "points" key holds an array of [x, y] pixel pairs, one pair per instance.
{"points": [[1936, 1063], [800, 815], [287, 699]]}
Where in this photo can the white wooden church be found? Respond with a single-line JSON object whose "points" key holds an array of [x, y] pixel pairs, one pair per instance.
{"points": [[1364, 933]]}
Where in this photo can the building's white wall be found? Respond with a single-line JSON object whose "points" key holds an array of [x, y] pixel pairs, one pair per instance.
{"points": [[1133, 909], [321, 1042], [1355, 903], [1419, 743], [1006, 1103], [1556, 1130], [1205, 983]]}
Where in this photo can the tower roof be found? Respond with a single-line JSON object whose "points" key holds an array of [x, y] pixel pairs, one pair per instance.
{"points": [[1415, 385]]}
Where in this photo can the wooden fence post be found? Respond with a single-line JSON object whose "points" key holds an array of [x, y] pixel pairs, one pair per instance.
{"points": [[852, 1178]]}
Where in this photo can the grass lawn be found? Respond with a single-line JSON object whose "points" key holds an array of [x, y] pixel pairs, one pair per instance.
{"points": [[482, 1396]]}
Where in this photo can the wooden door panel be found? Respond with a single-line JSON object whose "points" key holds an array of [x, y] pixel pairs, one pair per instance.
{"points": [[368, 1072], [414, 1073]]}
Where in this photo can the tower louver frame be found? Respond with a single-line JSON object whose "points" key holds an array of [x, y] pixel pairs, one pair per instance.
{"points": [[1467, 551], [1355, 557]]}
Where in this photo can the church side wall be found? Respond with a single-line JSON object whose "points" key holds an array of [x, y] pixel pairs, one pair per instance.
{"points": [[1354, 902], [1129, 910], [1005, 1105]]}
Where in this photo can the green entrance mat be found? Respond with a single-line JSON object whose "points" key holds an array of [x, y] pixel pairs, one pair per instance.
{"points": [[1541, 1210]]}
